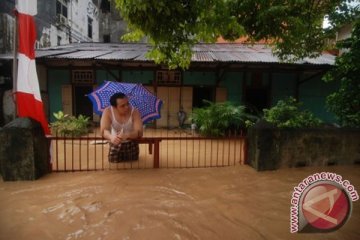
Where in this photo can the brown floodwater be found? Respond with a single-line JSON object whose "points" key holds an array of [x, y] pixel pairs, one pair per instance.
{"points": [[203, 203]]}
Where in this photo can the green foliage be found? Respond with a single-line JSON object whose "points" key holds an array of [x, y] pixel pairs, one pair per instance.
{"points": [[345, 102], [294, 27], [218, 119], [287, 114], [346, 12], [66, 125]]}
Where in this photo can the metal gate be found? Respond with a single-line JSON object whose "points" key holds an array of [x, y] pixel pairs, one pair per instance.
{"points": [[158, 149]]}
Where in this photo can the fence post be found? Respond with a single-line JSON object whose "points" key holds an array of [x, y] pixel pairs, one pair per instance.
{"points": [[50, 154], [157, 153], [245, 149]]}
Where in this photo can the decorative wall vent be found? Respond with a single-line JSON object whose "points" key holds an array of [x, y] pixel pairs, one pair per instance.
{"points": [[168, 77], [83, 77]]}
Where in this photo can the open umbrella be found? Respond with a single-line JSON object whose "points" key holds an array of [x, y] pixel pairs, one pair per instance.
{"points": [[139, 97]]}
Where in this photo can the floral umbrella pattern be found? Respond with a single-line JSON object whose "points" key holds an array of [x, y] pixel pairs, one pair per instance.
{"points": [[139, 97]]}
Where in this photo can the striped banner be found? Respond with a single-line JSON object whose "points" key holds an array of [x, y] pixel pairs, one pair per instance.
{"points": [[28, 98]]}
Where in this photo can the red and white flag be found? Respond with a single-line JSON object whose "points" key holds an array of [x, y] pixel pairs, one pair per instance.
{"points": [[28, 98]]}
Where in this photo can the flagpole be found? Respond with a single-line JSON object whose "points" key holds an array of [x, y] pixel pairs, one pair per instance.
{"points": [[15, 63]]}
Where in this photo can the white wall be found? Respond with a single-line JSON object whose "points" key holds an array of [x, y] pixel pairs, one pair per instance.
{"points": [[76, 25]]}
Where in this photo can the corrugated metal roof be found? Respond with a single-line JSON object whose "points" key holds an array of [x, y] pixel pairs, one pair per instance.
{"points": [[142, 57], [120, 55], [220, 52], [323, 59], [222, 56], [202, 57], [80, 54], [44, 53], [256, 57]]}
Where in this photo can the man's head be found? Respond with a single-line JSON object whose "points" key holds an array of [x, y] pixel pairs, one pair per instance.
{"points": [[120, 101]]}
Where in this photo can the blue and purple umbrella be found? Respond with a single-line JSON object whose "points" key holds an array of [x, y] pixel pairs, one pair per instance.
{"points": [[139, 97]]}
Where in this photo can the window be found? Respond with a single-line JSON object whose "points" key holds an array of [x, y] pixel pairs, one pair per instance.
{"points": [[83, 77], [58, 40], [61, 8], [257, 92], [90, 27], [105, 6], [168, 77], [106, 38]]}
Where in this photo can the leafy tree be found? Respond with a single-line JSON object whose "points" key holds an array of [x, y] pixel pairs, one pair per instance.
{"points": [[172, 27], [345, 102], [219, 119], [287, 114]]}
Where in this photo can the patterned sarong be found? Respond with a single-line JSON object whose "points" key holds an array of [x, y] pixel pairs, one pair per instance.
{"points": [[127, 151]]}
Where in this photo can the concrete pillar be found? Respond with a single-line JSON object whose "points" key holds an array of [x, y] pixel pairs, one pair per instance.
{"points": [[24, 150]]}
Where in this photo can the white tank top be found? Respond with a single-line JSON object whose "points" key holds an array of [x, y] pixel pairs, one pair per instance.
{"points": [[117, 127]]}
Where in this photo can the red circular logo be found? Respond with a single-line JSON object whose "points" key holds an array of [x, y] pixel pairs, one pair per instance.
{"points": [[326, 206]]}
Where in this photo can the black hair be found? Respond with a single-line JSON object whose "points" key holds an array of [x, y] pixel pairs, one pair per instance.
{"points": [[116, 96]]}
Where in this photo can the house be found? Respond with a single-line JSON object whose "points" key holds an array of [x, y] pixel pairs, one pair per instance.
{"points": [[241, 73], [70, 66], [58, 22]]}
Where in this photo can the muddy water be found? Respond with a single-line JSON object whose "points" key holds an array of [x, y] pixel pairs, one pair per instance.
{"points": [[209, 203]]}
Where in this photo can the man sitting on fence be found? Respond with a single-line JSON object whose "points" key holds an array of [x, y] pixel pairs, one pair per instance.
{"points": [[120, 123]]}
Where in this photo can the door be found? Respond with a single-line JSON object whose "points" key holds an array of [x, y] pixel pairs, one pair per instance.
{"points": [[171, 100], [186, 101], [83, 104], [200, 94], [256, 99], [221, 95], [257, 93], [66, 99]]}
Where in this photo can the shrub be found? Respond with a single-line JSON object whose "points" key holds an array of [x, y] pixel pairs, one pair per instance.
{"points": [[345, 102], [66, 125], [219, 118], [287, 114]]}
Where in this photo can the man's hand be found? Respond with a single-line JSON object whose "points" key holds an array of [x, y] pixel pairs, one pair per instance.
{"points": [[123, 136], [115, 139]]}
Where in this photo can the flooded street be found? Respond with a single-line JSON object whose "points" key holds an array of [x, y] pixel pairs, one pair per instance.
{"points": [[205, 203]]}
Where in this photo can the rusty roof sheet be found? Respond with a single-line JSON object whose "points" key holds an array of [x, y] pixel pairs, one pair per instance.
{"points": [[202, 57], [81, 54], [120, 55], [218, 52]]}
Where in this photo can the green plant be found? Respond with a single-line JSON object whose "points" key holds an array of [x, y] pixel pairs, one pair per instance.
{"points": [[294, 28], [217, 119], [66, 125], [345, 102], [287, 114]]}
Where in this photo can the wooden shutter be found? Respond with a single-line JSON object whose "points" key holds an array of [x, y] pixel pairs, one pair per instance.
{"points": [[66, 99], [221, 95]]}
